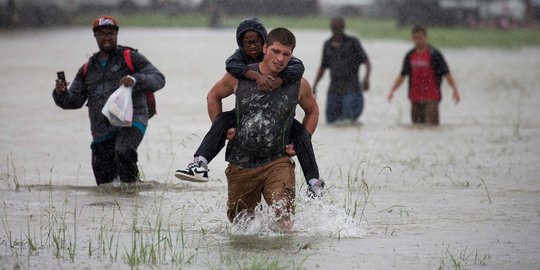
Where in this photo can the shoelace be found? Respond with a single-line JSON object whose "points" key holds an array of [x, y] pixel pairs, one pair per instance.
{"points": [[195, 165]]}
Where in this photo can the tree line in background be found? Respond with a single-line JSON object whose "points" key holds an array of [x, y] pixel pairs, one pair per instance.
{"points": [[474, 13]]}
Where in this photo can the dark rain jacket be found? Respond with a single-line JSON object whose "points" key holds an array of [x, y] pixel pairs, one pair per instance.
{"points": [[438, 64], [97, 85], [237, 64]]}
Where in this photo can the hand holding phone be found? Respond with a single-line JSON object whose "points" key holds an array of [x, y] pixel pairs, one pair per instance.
{"points": [[62, 78]]}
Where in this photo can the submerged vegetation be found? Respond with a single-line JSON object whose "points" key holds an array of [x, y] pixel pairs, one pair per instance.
{"points": [[141, 226], [115, 233]]}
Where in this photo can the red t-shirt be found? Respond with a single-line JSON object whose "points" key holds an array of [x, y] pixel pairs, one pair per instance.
{"points": [[423, 84]]}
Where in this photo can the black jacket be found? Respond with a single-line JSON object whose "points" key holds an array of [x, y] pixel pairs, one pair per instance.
{"points": [[237, 64], [96, 87]]}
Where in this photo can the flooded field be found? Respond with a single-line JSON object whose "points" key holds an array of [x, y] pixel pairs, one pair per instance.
{"points": [[465, 195]]}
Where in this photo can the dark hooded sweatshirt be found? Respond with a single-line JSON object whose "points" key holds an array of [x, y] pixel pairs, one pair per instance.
{"points": [[237, 64]]}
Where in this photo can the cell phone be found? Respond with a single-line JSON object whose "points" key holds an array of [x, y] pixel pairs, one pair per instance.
{"points": [[62, 76]]}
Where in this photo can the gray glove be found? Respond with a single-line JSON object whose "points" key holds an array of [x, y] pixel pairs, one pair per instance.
{"points": [[315, 188]]}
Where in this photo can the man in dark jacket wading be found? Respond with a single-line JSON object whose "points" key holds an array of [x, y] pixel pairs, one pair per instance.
{"points": [[114, 149]]}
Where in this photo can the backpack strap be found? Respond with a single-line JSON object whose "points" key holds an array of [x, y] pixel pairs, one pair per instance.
{"points": [[127, 58], [150, 98]]}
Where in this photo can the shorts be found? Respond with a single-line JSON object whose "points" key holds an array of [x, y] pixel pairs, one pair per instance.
{"points": [[425, 112], [275, 181]]}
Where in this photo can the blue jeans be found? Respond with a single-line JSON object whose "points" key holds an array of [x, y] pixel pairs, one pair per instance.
{"points": [[341, 107]]}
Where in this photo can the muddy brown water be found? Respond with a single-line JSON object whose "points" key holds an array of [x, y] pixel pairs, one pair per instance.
{"points": [[465, 194]]}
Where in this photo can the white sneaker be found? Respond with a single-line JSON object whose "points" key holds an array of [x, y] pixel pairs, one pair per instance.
{"points": [[315, 188], [195, 172]]}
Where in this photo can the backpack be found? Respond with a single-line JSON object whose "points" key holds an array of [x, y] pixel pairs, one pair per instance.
{"points": [[150, 98]]}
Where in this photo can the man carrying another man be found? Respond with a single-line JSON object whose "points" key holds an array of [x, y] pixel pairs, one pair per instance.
{"points": [[258, 163]]}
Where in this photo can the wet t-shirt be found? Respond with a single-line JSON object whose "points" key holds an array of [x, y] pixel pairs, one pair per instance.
{"points": [[344, 63], [263, 121], [423, 84]]}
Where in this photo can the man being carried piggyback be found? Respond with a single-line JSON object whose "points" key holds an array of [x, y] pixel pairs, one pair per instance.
{"points": [[250, 37], [258, 163]]}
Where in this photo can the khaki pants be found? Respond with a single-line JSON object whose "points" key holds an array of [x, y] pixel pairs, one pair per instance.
{"points": [[425, 112], [274, 181]]}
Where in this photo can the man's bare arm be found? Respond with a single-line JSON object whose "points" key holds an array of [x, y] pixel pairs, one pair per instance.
{"points": [[452, 83], [222, 89], [397, 83], [366, 76], [318, 77], [308, 103]]}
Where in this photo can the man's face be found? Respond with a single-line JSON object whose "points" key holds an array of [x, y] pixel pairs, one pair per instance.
{"points": [[106, 38], [252, 44], [277, 56], [337, 26], [419, 39]]}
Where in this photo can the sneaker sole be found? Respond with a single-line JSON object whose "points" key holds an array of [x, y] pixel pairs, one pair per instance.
{"points": [[190, 178]]}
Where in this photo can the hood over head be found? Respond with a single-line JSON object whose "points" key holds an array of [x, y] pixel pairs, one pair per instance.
{"points": [[250, 24]]}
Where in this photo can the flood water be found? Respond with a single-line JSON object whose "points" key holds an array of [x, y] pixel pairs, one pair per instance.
{"points": [[465, 194]]}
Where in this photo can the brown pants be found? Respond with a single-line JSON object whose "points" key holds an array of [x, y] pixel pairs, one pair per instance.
{"points": [[275, 181], [425, 112]]}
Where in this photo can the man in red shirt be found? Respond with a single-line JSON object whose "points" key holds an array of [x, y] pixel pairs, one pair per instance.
{"points": [[425, 67]]}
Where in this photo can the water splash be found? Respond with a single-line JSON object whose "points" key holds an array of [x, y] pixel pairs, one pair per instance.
{"points": [[323, 217], [313, 217]]}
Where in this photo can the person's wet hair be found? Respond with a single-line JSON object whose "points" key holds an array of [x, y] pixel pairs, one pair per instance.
{"points": [[338, 21], [419, 29], [283, 36]]}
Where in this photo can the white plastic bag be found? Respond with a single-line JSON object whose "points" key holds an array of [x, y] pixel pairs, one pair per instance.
{"points": [[119, 107]]}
